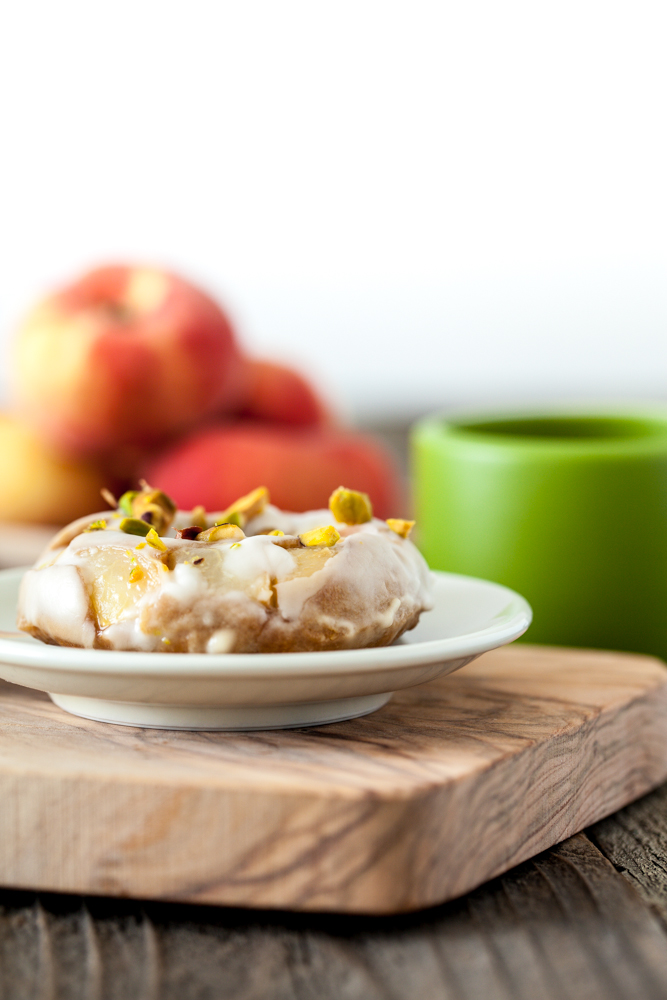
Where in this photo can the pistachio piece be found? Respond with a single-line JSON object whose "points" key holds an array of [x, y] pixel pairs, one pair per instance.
{"points": [[350, 507], [289, 542], [220, 533], [234, 518], [276, 531], [126, 501], [155, 541], [401, 527], [320, 536], [154, 516], [199, 517], [136, 574], [189, 533], [96, 525], [246, 507], [154, 507], [133, 526]]}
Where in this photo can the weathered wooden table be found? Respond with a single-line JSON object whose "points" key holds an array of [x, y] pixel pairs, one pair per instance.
{"points": [[586, 919]]}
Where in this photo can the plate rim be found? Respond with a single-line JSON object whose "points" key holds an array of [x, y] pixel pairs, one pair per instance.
{"points": [[119, 663]]}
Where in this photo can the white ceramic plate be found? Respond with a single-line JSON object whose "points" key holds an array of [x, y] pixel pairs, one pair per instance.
{"points": [[262, 691]]}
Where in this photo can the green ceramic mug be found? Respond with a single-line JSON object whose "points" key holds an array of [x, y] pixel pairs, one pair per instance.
{"points": [[569, 510]]}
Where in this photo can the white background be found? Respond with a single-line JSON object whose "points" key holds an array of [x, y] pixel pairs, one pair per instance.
{"points": [[424, 204]]}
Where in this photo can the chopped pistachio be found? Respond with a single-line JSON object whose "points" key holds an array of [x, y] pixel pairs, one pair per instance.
{"points": [[350, 507], [320, 536], [159, 498], [234, 518], [199, 516], [189, 533], [154, 507], [221, 532], [133, 526], [236, 545], [155, 541], [401, 527], [154, 515], [276, 531], [126, 501], [289, 542], [141, 545], [246, 507], [96, 526], [136, 574]]}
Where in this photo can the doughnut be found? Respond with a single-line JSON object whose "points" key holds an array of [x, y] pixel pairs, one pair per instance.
{"points": [[251, 579]]}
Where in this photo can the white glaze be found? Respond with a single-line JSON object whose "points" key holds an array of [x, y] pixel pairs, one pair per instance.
{"points": [[55, 597]]}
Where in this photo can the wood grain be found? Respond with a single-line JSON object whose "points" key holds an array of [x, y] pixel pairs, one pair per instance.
{"points": [[564, 926], [635, 841], [448, 785]]}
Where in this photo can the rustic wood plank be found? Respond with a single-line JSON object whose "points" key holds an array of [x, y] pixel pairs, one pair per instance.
{"points": [[635, 841], [448, 785], [564, 926]]}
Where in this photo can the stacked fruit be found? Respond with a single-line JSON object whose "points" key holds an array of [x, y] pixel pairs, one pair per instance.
{"points": [[134, 373]]}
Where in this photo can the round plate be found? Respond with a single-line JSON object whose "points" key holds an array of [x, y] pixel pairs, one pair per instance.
{"points": [[262, 690]]}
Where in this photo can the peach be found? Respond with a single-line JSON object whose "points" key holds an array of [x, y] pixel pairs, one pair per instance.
{"points": [[279, 394], [300, 467], [125, 356], [38, 485]]}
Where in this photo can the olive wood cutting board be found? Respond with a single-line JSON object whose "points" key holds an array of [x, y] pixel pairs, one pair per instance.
{"points": [[448, 785]]}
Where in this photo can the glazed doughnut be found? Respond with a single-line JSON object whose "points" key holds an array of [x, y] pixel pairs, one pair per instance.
{"points": [[251, 579]]}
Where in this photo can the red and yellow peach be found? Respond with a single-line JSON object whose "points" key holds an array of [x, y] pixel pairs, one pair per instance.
{"points": [[125, 356]]}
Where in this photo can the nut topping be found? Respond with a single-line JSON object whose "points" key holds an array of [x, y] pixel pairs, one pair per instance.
{"points": [[155, 541], [152, 506], [221, 532], [288, 542], [189, 533], [199, 517], [320, 536], [245, 508], [126, 501], [401, 527], [350, 507], [133, 526]]}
